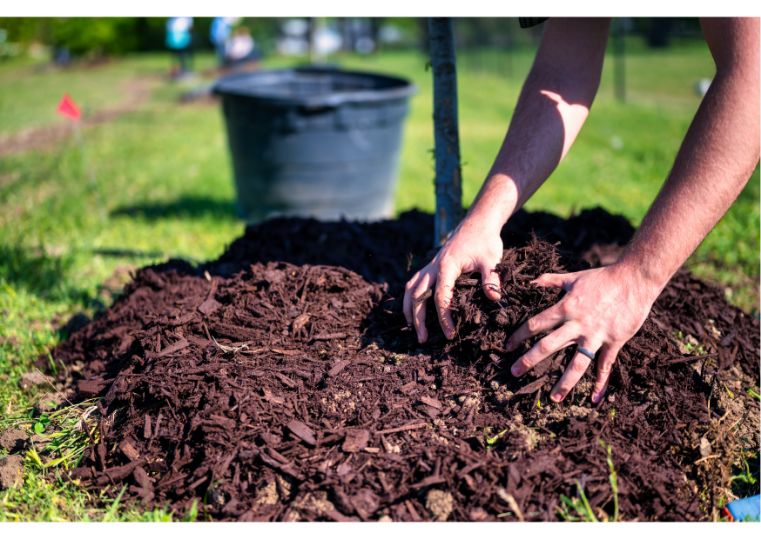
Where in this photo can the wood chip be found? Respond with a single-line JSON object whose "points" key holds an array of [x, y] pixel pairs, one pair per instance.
{"points": [[408, 426], [338, 366], [356, 440], [534, 386], [303, 432], [174, 347], [433, 403], [128, 450], [209, 306]]}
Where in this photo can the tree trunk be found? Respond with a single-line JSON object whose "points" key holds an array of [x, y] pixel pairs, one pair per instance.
{"points": [[448, 174]]}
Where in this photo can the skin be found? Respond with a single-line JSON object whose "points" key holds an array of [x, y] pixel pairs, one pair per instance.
{"points": [[603, 307]]}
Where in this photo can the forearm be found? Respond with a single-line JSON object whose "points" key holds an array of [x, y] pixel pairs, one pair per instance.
{"points": [[543, 128], [552, 108], [715, 161]]}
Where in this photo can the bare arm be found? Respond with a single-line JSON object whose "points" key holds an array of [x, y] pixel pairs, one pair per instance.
{"points": [[551, 110], [716, 159], [604, 307]]}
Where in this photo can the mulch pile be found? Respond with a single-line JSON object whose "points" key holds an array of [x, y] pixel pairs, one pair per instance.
{"points": [[280, 382]]}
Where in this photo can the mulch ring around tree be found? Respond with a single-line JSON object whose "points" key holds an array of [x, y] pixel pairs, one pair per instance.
{"points": [[280, 382]]}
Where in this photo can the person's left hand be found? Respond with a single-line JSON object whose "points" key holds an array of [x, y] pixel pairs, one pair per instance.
{"points": [[602, 309]]}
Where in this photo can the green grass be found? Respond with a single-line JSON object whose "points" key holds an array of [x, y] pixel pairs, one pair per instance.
{"points": [[156, 183], [578, 508]]}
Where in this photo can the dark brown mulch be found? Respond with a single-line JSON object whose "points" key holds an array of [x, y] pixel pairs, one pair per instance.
{"points": [[280, 382]]}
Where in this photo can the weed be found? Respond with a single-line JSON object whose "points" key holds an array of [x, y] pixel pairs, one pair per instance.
{"points": [[745, 480], [492, 439], [110, 515], [688, 344], [612, 478], [63, 436], [576, 509]]}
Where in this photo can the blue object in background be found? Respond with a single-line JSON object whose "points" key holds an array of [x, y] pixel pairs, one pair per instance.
{"points": [[178, 35], [746, 509]]}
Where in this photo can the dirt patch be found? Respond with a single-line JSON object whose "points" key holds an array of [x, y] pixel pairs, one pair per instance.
{"points": [[11, 470], [137, 91], [13, 440], [280, 382]]}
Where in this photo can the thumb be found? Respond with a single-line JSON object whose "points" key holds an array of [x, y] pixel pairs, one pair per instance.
{"points": [[490, 282]]}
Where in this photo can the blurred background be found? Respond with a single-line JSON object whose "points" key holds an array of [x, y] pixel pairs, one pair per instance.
{"points": [[145, 174]]}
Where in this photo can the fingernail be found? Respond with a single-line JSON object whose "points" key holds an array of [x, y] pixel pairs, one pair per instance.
{"points": [[448, 330], [516, 370], [557, 397], [494, 290]]}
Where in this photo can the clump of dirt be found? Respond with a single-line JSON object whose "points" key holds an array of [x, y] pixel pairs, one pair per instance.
{"points": [[280, 382], [11, 468]]}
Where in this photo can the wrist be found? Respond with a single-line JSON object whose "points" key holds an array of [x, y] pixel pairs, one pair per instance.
{"points": [[647, 280], [494, 204], [482, 221]]}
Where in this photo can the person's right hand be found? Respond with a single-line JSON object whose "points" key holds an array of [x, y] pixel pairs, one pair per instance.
{"points": [[472, 247]]}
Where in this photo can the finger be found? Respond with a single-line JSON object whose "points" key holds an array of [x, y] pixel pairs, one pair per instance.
{"points": [[544, 321], [605, 360], [443, 297], [573, 373], [555, 280], [557, 340], [490, 282], [418, 306], [407, 301]]}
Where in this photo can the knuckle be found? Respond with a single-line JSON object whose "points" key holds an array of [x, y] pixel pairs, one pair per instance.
{"points": [[442, 292], [572, 304], [578, 367], [533, 324], [544, 346], [446, 262]]}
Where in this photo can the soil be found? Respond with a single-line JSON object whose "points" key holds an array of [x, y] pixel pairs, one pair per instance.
{"points": [[280, 382], [10, 471], [13, 440]]}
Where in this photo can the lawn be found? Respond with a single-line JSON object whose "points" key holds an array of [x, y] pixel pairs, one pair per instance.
{"points": [[155, 182]]}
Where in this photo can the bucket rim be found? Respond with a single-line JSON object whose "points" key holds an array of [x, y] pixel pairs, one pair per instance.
{"points": [[403, 88]]}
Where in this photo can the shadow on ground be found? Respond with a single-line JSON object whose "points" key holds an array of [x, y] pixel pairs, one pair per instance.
{"points": [[37, 272], [185, 207]]}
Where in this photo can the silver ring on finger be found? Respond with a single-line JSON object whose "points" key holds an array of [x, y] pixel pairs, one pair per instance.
{"points": [[591, 355]]}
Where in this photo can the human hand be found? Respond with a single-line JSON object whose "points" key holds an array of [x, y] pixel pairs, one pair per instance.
{"points": [[602, 309], [473, 246]]}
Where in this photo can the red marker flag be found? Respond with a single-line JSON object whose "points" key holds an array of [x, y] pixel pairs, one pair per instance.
{"points": [[68, 108]]}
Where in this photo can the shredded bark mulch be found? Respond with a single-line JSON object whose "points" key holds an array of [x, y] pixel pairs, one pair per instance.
{"points": [[280, 382]]}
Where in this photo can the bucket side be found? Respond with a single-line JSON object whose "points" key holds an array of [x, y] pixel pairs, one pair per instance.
{"points": [[327, 163]]}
